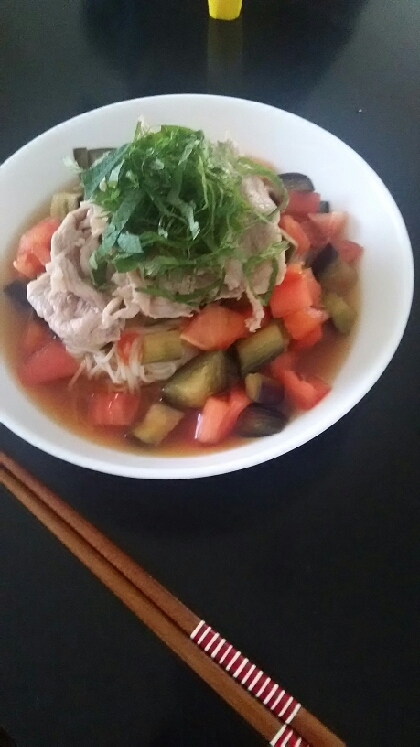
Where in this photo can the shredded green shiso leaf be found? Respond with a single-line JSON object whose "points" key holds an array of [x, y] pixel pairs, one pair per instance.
{"points": [[175, 208]]}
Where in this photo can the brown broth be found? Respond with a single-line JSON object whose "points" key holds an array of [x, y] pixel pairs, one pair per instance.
{"points": [[68, 406]]}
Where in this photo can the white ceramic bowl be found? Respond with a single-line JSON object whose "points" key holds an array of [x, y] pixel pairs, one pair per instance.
{"points": [[292, 144]]}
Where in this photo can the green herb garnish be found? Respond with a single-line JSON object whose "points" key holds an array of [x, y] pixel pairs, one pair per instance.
{"points": [[175, 208]]}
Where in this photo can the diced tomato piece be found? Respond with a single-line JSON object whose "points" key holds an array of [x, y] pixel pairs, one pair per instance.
{"points": [[50, 363], [28, 265], [36, 335], [214, 328], [291, 295], [284, 362], [313, 287], [219, 416], [211, 424], [304, 393], [296, 232], [330, 225], [314, 234], [238, 400], [309, 340], [303, 202], [34, 248], [348, 250], [125, 343], [113, 408], [294, 270], [303, 321]]}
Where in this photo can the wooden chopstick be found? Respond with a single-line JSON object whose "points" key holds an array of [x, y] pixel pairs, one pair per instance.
{"points": [[276, 715]]}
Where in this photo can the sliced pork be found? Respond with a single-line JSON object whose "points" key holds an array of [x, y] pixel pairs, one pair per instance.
{"points": [[64, 296]]}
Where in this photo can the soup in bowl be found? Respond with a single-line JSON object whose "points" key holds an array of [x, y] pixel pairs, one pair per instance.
{"points": [[199, 284]]}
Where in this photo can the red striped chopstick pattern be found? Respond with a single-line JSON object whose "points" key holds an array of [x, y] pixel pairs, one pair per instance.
{"points": [[268, 692], [257, 698]]}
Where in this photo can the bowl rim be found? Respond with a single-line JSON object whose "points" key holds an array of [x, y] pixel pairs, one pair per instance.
{"points": [[205, 466]]}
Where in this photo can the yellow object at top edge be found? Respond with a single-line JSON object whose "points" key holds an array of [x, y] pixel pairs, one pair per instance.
{"points": [[225, 10]]}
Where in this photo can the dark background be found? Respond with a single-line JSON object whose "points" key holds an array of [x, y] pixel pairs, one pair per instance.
{"points": [[310, 563]]}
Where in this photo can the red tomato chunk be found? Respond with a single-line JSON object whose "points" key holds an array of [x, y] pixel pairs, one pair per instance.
{"points": [[284, 362], [51, 363], [296, 232], [304, 393], [303, 321], [214, 328], [34, 248], [298, 290], [329, 225], [311, 339], [290, 296], [35, 337], [113, 408], [316, 237], [219, 416], [303, 202], [348, 250]]}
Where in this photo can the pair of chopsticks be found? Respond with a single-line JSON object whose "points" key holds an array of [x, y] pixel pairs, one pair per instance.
{"points": [[275, 714]]}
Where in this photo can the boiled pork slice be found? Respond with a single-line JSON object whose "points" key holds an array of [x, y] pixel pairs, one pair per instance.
{"points": [[129, 299], [64, 295]]}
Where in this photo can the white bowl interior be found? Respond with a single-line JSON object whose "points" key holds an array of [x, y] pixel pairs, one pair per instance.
{"points": [[292, 144]]}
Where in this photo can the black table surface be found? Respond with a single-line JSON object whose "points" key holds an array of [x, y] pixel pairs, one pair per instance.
{"points": [[309, 563]]}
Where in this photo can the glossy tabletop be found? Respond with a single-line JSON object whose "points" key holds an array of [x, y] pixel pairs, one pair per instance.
{"points": [[309, 563]]}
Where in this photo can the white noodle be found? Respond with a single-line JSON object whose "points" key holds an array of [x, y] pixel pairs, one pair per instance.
{"points": [[133, 374]]}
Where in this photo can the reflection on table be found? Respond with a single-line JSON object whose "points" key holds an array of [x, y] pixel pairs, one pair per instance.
{"points": [[162, 47]]}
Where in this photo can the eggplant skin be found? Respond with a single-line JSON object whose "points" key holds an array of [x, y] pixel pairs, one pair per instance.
{"points": [[164, 345], [297, 182], [17, 292], [193, 383], [96, 153], [85, 157], [264, 391], [342, 315], [158, 422], [338, 277], [262, 347], [256, 421], [81, 156], [324, 258], [324, 206]]}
